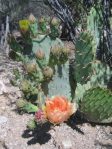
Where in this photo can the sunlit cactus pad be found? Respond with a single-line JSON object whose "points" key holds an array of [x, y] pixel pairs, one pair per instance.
{"points": [[59, 85], [97, 105]]}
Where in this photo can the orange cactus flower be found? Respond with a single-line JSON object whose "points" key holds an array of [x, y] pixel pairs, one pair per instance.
{"points": [[58, 109]]}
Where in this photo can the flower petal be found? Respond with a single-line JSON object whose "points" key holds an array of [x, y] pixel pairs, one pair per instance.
{"points": [[58, 109]]}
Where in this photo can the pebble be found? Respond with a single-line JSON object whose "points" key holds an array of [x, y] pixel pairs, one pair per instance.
{"points": [[2, 87], [3, 120], [66, 144]]}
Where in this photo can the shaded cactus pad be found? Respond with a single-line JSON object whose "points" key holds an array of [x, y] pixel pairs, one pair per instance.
{"points": [[97, 105]]}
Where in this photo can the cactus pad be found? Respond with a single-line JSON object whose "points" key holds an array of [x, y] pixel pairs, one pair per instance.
{"points": [[84, 56], [97, 105]]}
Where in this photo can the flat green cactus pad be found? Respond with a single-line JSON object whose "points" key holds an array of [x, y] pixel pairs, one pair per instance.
{"points": [[97, 105], [84, 56], [59, 85], [45, 43]]}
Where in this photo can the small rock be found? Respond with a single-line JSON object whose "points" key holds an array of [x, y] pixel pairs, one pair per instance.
{"points": [[2, 87], [19, 94], [3, 120], [2, 144], [66, 144]]}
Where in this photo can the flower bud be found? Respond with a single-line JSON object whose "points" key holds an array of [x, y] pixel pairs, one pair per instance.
{"points": [[31, 67], [55, 21], [32, 19], [40, 116], [65, 50], [56, 50], [31, 124], [25, 85], [20, 103], [69, 45], [40, 54], [42, 20], [48, 72]]}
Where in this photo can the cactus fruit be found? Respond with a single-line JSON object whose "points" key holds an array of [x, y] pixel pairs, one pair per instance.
{"points": [[21, 103], [43, 25], [65, 51], [33, 27], [40, 116], [31, 124], [54, 21], [48, 72], [69, 45], [54, 26], [56, 50], [31, 67], [42, 20], [25, 85], [59, 54], [32, 19], [40, 54]]}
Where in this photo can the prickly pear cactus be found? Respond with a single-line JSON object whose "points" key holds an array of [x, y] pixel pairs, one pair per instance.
{"points": [[94, 24], [93, 98], [101, 74], [85, 48], [97, 105], [92, 77], [45, 61]]}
